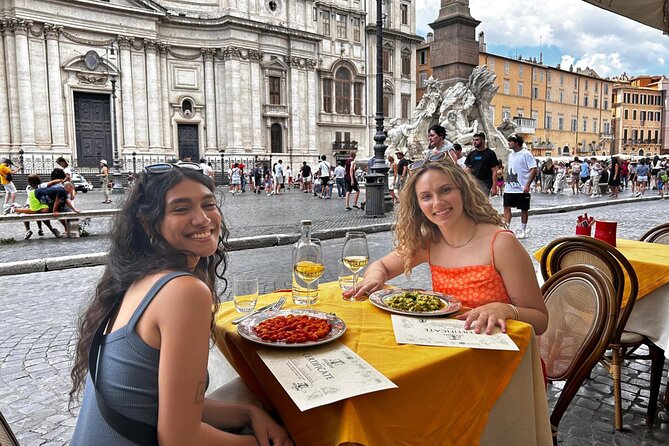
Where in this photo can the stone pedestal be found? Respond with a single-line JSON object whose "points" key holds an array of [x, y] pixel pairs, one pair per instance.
{"points": [[454, 52]]}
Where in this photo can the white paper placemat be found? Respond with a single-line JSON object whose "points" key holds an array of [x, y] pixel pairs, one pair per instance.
{"points": [[314, 377], [447, 333]]}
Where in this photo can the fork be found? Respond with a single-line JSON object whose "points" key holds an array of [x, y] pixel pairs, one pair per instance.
{"points": [[275, 306]]}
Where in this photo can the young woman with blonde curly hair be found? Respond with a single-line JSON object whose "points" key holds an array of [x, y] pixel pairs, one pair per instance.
{"points": [[444, 219]]}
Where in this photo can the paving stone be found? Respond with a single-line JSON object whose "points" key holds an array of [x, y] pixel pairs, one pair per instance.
{"points": [[37, 341]]}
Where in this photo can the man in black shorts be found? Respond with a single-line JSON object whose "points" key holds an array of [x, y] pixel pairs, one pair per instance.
{"points": [[351, 182], [521, 170], [482, 163]]}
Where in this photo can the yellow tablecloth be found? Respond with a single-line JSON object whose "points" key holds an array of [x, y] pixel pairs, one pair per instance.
{"points": [[650, 262], [444, 395]]}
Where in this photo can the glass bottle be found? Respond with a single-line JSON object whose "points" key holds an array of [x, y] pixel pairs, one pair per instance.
{"points": [[301, 295]]}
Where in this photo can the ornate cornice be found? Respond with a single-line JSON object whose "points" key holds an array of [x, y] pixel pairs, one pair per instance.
{"points": [[125, 42], [52, 31], [22, 26], [236, 52], [208, 53], [150, 45], [183, 56], [301, 62], [90, 42], [163, 47], [92, 78]]}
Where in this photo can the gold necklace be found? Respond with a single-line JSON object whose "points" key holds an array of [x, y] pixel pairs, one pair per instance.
{"points": [[465, 243]]}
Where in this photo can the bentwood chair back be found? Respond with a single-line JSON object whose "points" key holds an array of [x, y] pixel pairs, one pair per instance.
{"points": [[658, 234], [570, 251], [6, 435], [582, 312]]}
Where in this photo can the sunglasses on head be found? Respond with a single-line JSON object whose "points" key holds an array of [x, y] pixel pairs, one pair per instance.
{"points": [[160, 168], [429, 159]]}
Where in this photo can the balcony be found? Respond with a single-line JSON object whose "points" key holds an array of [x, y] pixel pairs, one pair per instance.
{"points": [[526, 126], [275, 111], [344, 145]]}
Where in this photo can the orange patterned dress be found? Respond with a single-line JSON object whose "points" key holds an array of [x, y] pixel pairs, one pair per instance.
{"points": [[473, 285]]}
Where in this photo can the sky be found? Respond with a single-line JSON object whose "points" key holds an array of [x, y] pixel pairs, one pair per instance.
{"points": [[567, 31]]}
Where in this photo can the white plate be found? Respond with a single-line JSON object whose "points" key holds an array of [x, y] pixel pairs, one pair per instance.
{"points": [[245, 328], [449, 303]]}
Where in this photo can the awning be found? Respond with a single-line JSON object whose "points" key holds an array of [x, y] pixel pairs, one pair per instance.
{"points": [[654, 13]]}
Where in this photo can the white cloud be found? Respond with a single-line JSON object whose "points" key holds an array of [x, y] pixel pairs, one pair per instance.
{"points": [[606, 42]]}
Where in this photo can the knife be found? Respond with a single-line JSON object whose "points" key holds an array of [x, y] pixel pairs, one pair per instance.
{"points": [[253, 313]]}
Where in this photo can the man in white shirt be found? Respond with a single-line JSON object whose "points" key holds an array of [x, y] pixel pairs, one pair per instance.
{"points": [[324, 169], [339, 173], [522, 168], [278, 177]]}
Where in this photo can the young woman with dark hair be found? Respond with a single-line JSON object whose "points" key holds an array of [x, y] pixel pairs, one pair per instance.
{"points": [[144, 338]]}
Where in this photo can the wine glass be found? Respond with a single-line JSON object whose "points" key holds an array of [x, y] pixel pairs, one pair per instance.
{"points": [[308, 263], [355, 254]]}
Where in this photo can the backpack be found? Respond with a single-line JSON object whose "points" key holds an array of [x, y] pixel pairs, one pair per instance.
{"points": [[576, 169]]}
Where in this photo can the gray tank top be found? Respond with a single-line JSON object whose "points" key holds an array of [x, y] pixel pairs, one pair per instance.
{"points": [[127, 379]]}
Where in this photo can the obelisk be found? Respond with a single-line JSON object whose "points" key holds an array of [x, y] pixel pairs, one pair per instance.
{"points": [[454, 52]]}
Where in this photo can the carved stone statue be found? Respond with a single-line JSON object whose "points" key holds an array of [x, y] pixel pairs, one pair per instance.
{"points": [[461, 109], [411, 138]]}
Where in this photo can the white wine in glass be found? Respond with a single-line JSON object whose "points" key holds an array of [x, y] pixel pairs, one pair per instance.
{"points": [[308, 263], [355, 255]]}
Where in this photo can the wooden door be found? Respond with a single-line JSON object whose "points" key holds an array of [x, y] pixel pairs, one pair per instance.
{"points": [[189, 145], [92, 126]]}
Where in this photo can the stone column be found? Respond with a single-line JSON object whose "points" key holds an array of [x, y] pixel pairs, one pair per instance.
{"points": [[56, 105], [165, 97], [5, 132], [12, 82], [210, 97], [153, 95], [24, 85], [127, 103], [454, 52]]}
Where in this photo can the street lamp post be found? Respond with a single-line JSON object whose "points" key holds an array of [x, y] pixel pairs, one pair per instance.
{"points": [[116, 167], [222, 167], [378, 196]]}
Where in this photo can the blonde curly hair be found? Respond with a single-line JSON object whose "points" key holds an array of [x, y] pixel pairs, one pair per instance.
{"points": [[413, 230]]}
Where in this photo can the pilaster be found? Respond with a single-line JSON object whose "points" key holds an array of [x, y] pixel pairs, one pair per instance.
{"points": [[210, 97], [57, 116], [165, 96], [12, 82], [153, 95], [127, 97], [24, 84], [5, 131]]}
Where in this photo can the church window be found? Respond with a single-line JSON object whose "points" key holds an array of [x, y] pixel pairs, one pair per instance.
{"points": [[327, 95], [343, 91], [274, 90]]}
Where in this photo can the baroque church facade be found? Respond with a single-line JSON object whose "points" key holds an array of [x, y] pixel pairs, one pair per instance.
{"points": [[163, 79]]}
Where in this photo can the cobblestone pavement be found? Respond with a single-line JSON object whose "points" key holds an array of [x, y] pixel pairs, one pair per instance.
{"points": [[246, 214], [38, 324]]}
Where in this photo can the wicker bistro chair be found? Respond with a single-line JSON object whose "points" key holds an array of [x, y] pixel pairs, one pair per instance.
{"points": [[6, 435], [658, 234], [569, 251], [582, 311]]}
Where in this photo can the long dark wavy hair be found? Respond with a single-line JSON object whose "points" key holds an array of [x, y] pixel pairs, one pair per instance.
{"points": [[138, 250]]}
